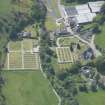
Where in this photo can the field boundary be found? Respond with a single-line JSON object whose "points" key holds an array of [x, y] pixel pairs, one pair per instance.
{"points": [[64, 55], [27, 59]]}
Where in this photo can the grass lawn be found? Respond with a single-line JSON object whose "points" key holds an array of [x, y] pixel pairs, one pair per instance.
{"points": [[31, 60], [27, 44], [31, 28], [64, 55], [50, 23], [68, 4], [15, 60], [55, 7], [28, 88], [52, 14], [5, 6], [66, 41], [100, 38], [97, 98], [60, 67], [18, 53], [15, 46]]}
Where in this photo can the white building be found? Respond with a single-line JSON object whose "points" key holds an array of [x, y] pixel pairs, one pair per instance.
{"points": [[95, 7], [85, 18], [35, 49], [84, 13], [81, 9]]}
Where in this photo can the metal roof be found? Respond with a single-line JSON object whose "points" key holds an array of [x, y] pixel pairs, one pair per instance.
{"points": [[71, 11], [96, 6], [85, 18], [82, 9]]}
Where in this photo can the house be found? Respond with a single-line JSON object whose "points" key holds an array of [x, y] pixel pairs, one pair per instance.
{"points": [[24, 34], [61, 32], [88, 54], [52, 36], [86, 71], [35, 49], [95, 7]]}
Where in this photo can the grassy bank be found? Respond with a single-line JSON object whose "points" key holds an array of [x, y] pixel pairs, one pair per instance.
{"points": [[90, 98], [100, 38], [28, 88]]}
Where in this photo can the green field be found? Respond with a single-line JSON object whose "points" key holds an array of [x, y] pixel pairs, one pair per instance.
{"points": [[68, 4], [66, 41], [52, 14], [20, 55], [55, 7], [5, 6], [15, 60], [50, 23], [100, 38], [14, 45], [59, 67], [28, 44], [64, 55], [32, 29], [28, 88], [97, 98]]}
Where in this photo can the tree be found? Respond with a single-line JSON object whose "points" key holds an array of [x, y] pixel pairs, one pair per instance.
{"points": [[96, 28], [78, 46], [94, 87], [83, 88], [103, 9], [100, 18], [100, 65], [75, 68], [62, 76], [78, 1], [97, 77]]}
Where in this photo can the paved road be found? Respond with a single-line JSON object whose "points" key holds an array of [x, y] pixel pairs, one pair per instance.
{"points": [[50, 8], [91, 45]]}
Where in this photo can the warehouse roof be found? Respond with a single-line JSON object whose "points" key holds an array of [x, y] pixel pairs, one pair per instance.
{"points": [[96, 6], [83, 9], [85, 18], [71, 11]]}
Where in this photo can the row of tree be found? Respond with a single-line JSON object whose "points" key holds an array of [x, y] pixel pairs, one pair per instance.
{"points": [[78, 1], [99, 20]]}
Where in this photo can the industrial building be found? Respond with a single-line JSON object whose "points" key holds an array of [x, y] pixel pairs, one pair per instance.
{"points": [[85, 18], [95, 7], [83, 9], [70, 11], [84, 13]]}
